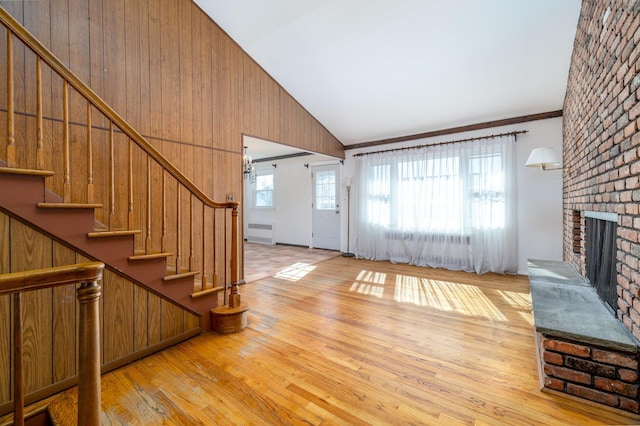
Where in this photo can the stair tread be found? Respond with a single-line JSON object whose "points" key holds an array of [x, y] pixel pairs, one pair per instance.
{"points": [[205, 292], [99, 234], [149, 256], [181, 275], [69, 205], [28, 172]]}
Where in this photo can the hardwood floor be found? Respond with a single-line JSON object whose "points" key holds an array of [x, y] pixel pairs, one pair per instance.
{"points": [[349, 341], [264, 260]]}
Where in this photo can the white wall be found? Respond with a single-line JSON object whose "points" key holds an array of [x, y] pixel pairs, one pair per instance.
{"points": [[539, 215], [539, 209], [291, 215]]}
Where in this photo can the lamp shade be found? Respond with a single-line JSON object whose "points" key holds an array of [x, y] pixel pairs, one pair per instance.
{"points": [[545, 158]]}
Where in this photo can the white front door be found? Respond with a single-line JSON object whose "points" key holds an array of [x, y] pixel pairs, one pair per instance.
{"points": [[325, 215]]}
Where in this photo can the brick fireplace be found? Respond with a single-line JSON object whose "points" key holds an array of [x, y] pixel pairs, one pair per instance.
{"points": [[601, 160]]}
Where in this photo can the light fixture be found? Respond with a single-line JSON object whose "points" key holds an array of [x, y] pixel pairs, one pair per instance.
{"points": [[249, 168], [347, 183], [545, 158]]}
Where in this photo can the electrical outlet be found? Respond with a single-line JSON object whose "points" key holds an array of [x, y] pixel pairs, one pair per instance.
{"points": [[230, 197]]}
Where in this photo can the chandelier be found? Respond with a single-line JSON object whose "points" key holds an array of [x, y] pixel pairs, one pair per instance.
{"points": [[249, 167]]}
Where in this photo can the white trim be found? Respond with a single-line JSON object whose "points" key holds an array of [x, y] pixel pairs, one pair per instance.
{"points": [[611, 217]]}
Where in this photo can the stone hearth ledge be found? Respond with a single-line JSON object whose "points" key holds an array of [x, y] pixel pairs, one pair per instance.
{"points": [[567, 307]]}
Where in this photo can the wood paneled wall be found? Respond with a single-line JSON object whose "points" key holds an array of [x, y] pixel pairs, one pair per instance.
{"points": [[177, 78], [133, 320]]}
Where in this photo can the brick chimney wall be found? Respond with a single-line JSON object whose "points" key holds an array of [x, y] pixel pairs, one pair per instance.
{"points": [[601, 140]]}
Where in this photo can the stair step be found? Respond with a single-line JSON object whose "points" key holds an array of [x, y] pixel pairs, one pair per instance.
{"points": [[101, 234], [149, 256], [181, 275], [28, 172], [201, 293], [69, 206]]}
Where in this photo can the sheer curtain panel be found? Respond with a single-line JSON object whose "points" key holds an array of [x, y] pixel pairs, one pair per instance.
{"points": [[450, 206]]}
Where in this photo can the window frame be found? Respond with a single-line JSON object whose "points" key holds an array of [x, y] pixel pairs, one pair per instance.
{"points": [[256, 191]]}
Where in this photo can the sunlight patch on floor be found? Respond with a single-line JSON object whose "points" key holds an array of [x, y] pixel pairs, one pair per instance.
{"points": [[446, 296], [517, 300], [369, 283], [295, 272]]}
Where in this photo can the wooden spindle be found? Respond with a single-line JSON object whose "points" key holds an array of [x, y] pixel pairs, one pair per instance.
{"points": [[88, 295], [90, 194], [11, 128], [112, 185], [191, 254], [39, 118], [204, 247], [163, 239], [178, 233], [66, 188], [130, 216], [147, 244], [18, 375]]}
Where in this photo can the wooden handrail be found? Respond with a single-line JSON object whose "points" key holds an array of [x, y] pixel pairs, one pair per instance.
{"points": [[88, 294], [18, 282], [103, 107]]}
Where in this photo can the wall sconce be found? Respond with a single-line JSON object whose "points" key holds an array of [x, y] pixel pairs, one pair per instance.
{"points": [[545, 158]]}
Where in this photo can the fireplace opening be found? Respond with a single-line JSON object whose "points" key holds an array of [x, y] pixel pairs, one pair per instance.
{"points": [[600, 244]]}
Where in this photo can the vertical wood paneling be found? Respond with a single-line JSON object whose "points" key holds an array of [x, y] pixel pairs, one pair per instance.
{"points": [[133, 62], [142, 122], [32, 250], [169, 47], [64, 319], [155, 70], [5, 348], [5, 315], [154, 319], [172, 320], [224, 91], [190, 321], [96, 54], [79, 51], [140, 330], [118, 318], [113, 21], [187, 84], [205, 137]]}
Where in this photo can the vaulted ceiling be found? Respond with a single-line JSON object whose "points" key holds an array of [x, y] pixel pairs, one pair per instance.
{"points": [[376, 69]]}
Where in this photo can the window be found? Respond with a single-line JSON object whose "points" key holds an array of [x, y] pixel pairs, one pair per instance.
{"points": [[450, 205], [326, 190], [264, 189], [435, 194]]}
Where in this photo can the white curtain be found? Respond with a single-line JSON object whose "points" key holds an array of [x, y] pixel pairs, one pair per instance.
{"points": [[450, 206]]}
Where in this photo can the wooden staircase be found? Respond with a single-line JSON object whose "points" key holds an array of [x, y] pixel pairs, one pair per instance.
{"points": [[23, 195], [128, 206]]}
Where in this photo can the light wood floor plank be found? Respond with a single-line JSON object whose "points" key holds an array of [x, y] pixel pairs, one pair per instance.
{"points": [[350, 341]]}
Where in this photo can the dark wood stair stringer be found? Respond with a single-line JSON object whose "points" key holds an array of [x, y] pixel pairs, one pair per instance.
{"points": [[22, 191]]}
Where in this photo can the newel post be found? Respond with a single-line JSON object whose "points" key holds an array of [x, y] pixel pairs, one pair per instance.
{"points": [[88, 295], [234, 297]]}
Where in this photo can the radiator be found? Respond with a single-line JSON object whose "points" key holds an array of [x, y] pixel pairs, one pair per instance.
{"points": [[260, 233]]}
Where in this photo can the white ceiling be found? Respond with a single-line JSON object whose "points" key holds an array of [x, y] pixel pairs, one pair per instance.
{"points": [[376, 69]]}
